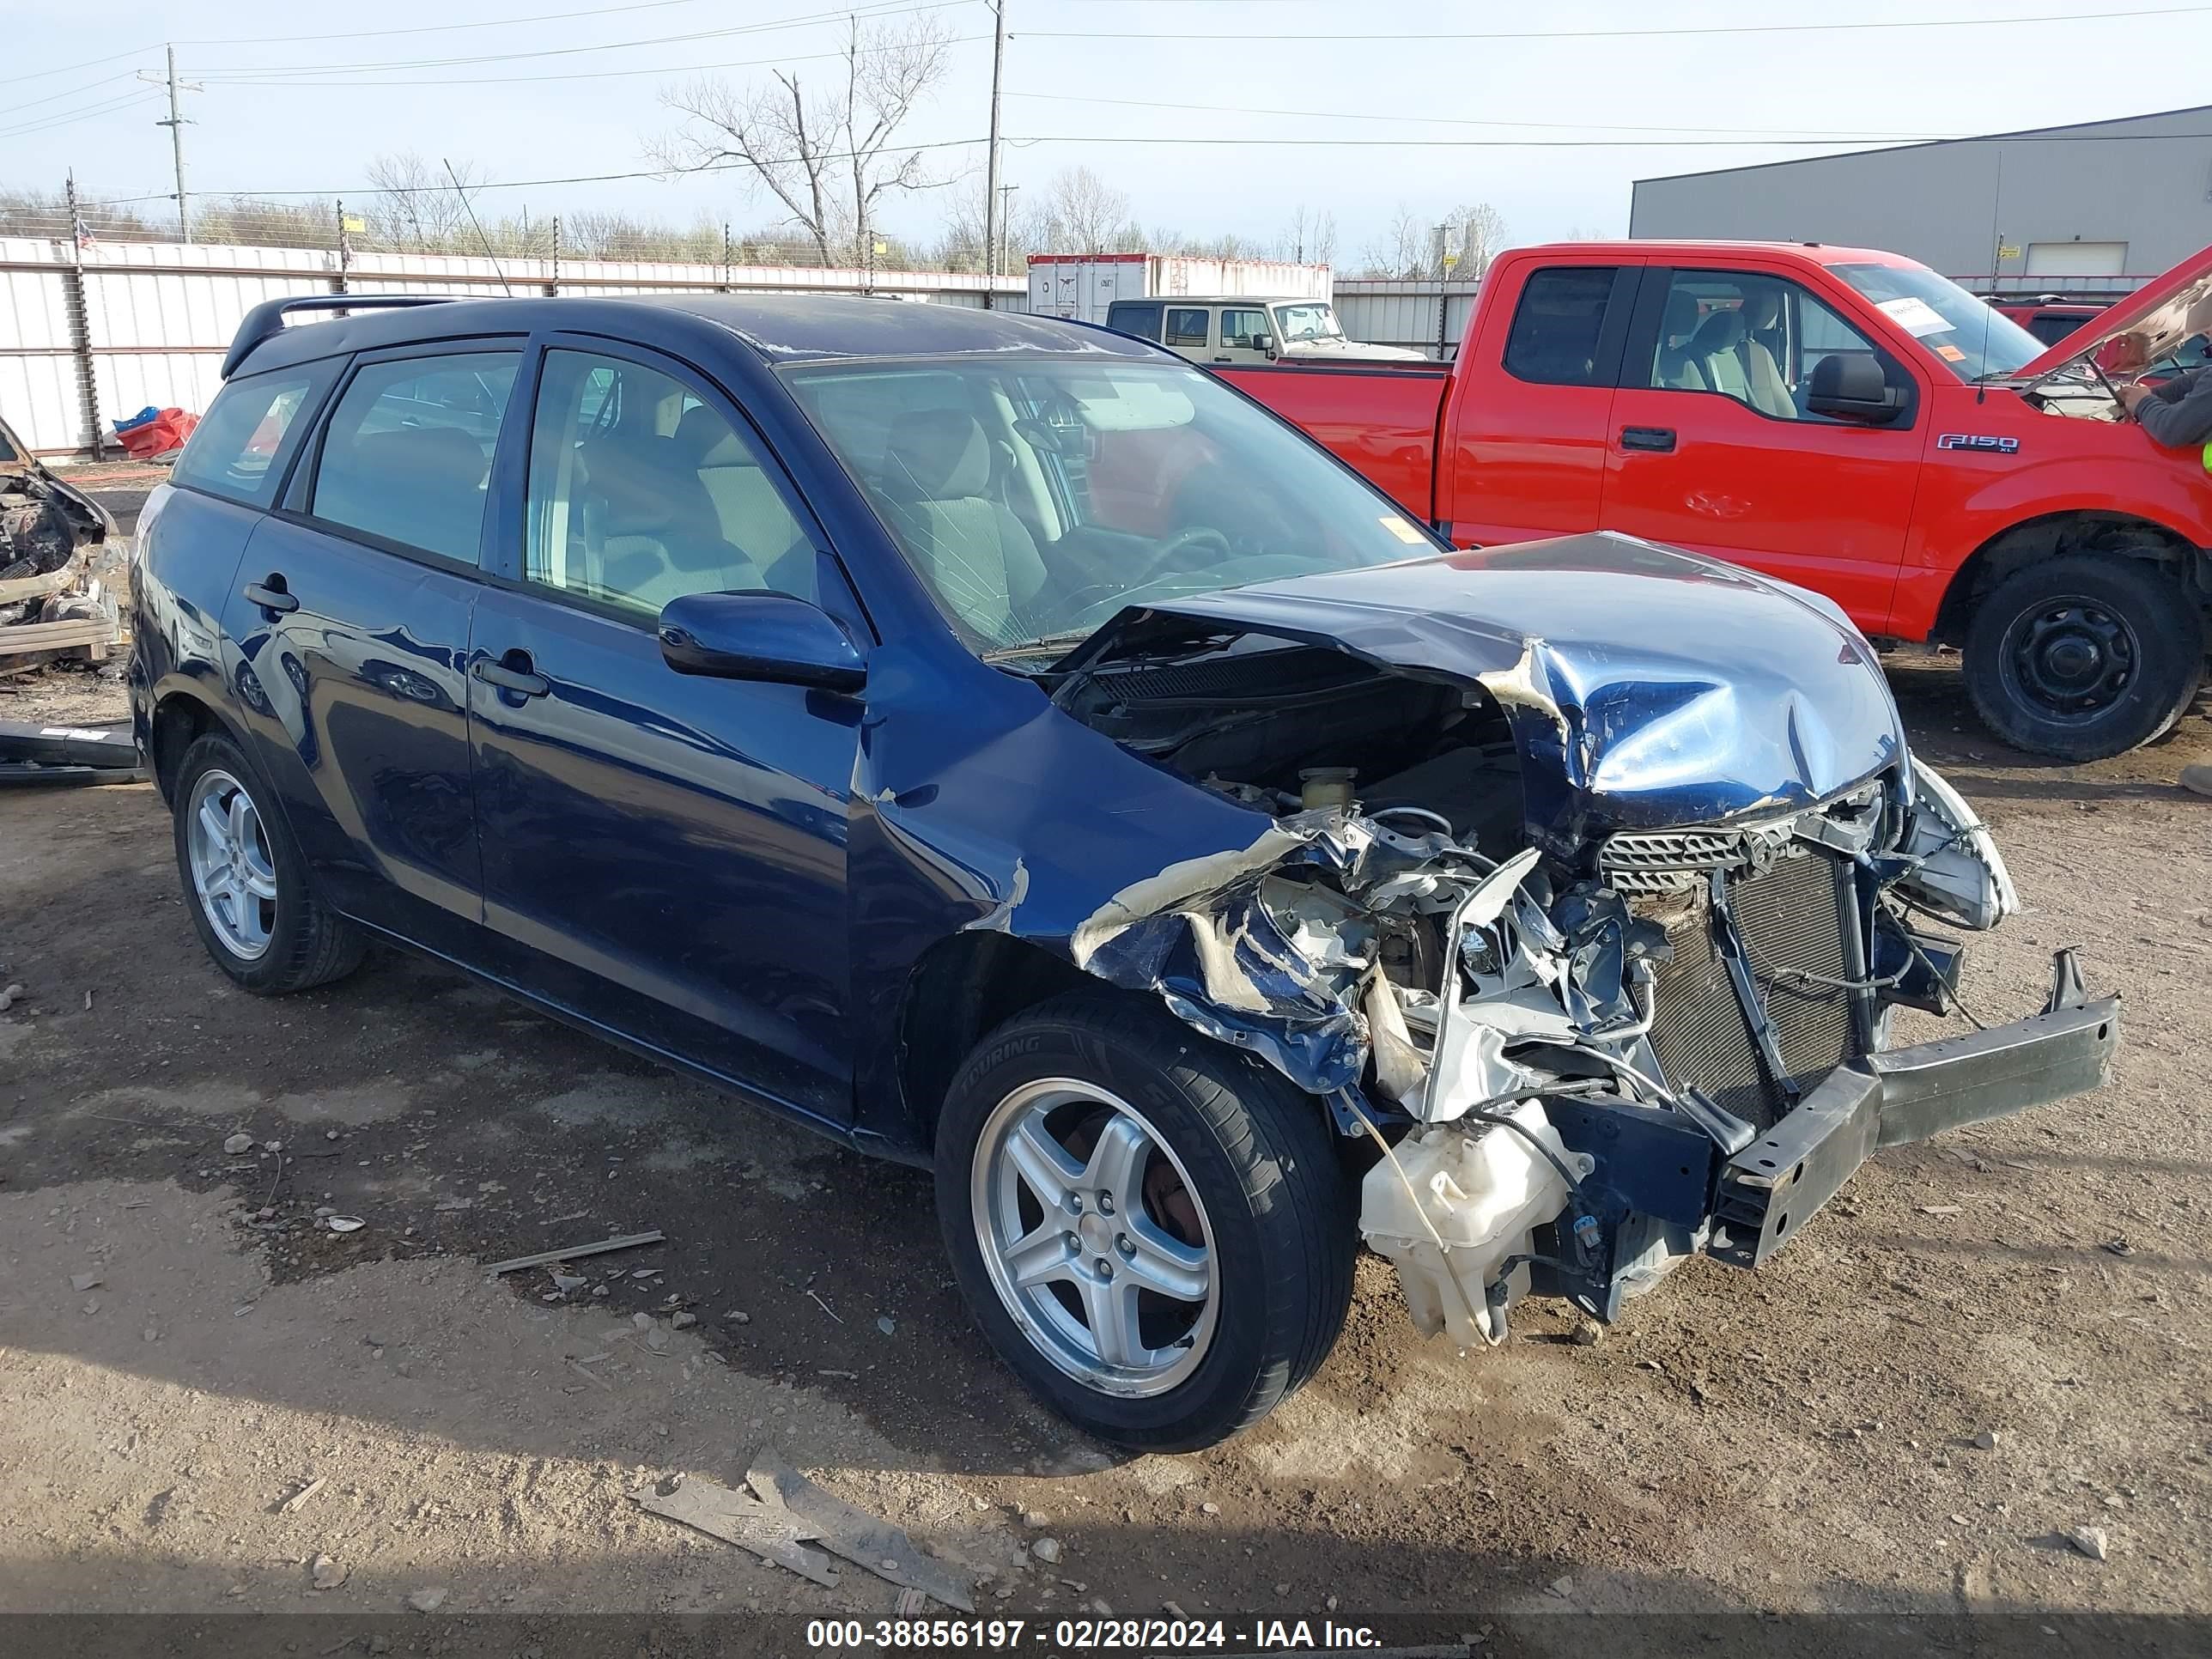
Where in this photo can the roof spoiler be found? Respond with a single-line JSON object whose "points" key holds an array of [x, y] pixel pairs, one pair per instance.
{"points": [[266, 319]]}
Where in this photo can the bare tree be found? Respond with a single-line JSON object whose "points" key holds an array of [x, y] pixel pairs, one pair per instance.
{"points": [[416, 205], [826, 156], [1089, 216], [1481, 239], [1401, 252]]}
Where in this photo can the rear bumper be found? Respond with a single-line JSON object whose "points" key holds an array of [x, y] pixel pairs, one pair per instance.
{"points": [[1774, 1186]]}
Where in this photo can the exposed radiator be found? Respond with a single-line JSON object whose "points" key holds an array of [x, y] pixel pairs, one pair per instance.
{"points": [[1792, 916]]}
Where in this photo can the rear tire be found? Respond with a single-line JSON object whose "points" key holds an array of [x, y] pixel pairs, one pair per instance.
{"points": [[2084, 657], [1234, 1185], [245, 883]]}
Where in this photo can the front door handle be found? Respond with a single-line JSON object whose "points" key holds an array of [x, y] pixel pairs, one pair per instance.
{"points": [[1658, 439], [270, 596], [517, 679]]}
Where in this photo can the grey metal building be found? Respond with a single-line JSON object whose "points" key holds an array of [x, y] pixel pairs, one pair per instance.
{"points": [[2104, 205]]}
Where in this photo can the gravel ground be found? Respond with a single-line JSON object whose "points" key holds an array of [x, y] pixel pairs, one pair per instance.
{"points": [[1988, 1342]]}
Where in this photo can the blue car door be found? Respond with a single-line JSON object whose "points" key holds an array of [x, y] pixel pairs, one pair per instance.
{"points": [[350, 615], [663, 855]]}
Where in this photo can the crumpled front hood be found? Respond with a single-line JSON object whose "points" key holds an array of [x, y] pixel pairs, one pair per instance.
{"points": [[1645, 687]]}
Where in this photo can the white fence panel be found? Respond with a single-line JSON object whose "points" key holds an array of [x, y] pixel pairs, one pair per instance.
{"points": [[158, 316]]}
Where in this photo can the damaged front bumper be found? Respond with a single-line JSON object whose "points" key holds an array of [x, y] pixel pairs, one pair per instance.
{"points": [[1768, 1191]]}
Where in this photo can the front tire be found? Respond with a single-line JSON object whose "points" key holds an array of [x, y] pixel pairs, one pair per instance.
{"points": [[2083, 658], [245, 883], [1153, 1231]]}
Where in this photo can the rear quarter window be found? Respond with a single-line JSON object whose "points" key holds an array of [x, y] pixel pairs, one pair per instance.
{"points": [[241, 449], [1559, 328]]}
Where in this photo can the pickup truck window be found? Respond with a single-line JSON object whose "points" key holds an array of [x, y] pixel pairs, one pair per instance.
{"points": [[1974, 342], [1750, 336], [1186, 325], [1036, 499], [1557, 327]]}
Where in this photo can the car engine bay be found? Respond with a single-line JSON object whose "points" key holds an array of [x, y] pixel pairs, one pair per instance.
{"points": [[1553, 1055]]}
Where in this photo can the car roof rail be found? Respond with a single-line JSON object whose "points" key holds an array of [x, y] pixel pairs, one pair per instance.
{"points": [[266, 320]]}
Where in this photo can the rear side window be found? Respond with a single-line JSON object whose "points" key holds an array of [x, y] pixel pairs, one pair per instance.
{"points": [[1186, 325], [1141, 320], [407, 450], [241, 449], [1558, 326]]}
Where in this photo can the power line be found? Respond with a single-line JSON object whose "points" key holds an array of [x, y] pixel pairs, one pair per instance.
{"points": [[811, 20], [2031, 136], [16, 75], [537, 183], [592, 75], [1428, 37], [439, 28], [1799, 133], [56, 97], [49, 123]]}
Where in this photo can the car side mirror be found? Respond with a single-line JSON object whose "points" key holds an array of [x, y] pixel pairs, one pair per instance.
{"points": [[1264, 342], [760, 636], [1853, 388]]}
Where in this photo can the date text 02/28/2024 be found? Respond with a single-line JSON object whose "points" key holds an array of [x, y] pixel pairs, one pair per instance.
{"points": [[1085, 1635]]}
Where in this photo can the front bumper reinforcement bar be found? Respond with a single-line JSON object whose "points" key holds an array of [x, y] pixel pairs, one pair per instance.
{"points": [[1769, 1190]]}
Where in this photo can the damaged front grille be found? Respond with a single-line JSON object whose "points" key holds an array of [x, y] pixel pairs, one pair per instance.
{"points": [[1795, 918], [1676, 860]]}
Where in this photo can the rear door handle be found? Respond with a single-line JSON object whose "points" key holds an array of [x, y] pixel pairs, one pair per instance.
{"points": [[270, 596], [519, 681], [1660, 439]]}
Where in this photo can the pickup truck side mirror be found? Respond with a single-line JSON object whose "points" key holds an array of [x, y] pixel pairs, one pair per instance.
{"points": [[758, 635], [1853, 388]]}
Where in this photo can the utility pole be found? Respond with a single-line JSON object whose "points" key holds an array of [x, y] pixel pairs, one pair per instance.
{"points": [[176, 124], [1006, 227], [991, 214]]}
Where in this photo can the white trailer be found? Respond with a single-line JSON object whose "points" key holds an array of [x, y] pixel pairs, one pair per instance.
{"points": [[1082, 285]]}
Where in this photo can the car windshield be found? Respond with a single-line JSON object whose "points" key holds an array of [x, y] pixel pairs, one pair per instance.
{"points": [[1314, 322], [1974, 342], [1036, 498]]}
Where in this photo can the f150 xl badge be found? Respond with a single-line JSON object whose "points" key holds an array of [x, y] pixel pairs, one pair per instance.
{"points": [[1978, 440]]}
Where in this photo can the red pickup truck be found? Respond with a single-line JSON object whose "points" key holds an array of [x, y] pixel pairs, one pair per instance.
{"points": [[1844, 419]]}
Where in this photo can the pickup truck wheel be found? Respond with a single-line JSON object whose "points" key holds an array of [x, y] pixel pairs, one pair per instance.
{"points": [[1154, 1232], [245, 883], [2082, 658]]}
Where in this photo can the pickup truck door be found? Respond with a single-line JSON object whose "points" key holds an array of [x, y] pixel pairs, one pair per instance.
{"points": [[1525, 427], [663, 853], [1713, 448]]}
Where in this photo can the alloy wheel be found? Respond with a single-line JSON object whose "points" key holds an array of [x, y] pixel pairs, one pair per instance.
{"points": [[233, 872], [1093, 1235]]}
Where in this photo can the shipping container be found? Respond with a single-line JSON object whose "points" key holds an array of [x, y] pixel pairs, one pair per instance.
{"points": [[1082, 285]]}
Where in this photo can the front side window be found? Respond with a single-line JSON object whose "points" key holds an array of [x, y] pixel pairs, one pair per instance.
{"points": [[1973, 341], [1186, 326], [407, 450], [1557, 327], [239, 449], [1308, 322], [1242, 327], [1752, 338], [641, 492], [1035, 499]]}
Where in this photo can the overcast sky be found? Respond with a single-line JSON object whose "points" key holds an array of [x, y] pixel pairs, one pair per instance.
{"points": [[308, 114]]}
